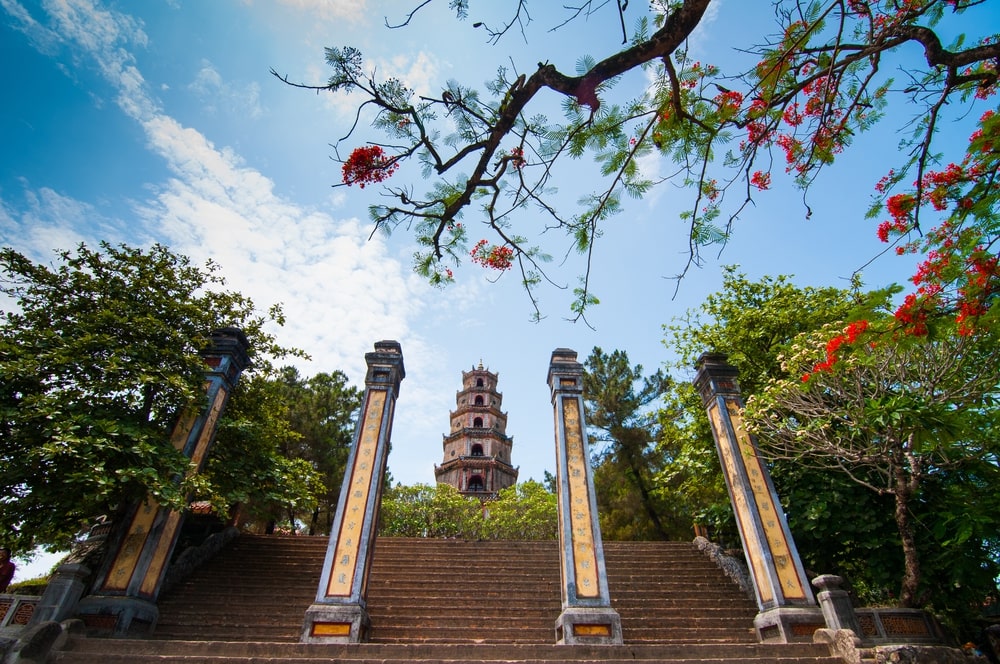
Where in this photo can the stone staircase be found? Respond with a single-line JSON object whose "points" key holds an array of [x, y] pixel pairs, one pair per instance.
{"points": [[448, 601]]}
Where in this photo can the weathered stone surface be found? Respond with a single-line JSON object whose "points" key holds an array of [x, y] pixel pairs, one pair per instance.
{"points": [[35, 643], [732, 567], [194, 557], [908, 654]]}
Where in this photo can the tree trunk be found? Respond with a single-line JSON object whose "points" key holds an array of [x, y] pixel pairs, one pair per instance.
{"points": [[911, 559], [314, 521], [637, 466]]}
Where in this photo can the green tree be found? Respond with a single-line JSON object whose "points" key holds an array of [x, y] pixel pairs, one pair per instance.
{"points": [[893, 418], [422, 510], [690, 479], [326, 418], [251, 463], [283, 445], [525, 511], [98, 355], [619, 403], [795, 99], [322, 412], [751, 322]]}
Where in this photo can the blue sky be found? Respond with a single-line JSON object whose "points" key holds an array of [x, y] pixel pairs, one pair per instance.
{"points": [[159, 122]]}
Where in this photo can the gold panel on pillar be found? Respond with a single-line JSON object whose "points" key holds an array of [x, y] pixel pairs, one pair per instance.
{"points": [[131, 547], [349, 538], [582, 534], [208, 430], [152, 578], [777, 542], [741, 504]]}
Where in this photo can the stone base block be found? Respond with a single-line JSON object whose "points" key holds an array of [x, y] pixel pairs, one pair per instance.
{"points": [[325, 623], [62, 594], [117, 617], [593, 626], [788, 624]]}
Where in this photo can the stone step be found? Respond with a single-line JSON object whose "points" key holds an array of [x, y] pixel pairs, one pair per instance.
{"points": [[513, 584], [382, 614], [94, 651], [441, 591]]}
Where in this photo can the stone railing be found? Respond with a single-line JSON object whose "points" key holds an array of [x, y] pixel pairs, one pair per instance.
{"points": [[16, 612], [889, 625], [873, 626]]}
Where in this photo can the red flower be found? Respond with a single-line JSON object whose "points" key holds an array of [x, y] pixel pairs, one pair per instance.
{"points": [[761, 180], [496, 257], [900, 206], [850, 335], [883, 231], [368, 164]]}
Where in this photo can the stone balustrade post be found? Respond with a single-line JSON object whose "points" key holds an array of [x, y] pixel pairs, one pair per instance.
{"points": [[339, 613], [788, 611], [123, 596], [587, 616], [835, 603]]}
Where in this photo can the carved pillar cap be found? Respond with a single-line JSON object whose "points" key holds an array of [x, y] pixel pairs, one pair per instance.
{"points": [[385, 364], [828, 582], [233, 342], [565, 373], [715, 376]]}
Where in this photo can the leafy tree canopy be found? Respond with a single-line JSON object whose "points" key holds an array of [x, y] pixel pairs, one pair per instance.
{"points": [[753, 322], [99, 353], [828, 72], [894, 418], [621, 414], [283, 445], [525, 511]]}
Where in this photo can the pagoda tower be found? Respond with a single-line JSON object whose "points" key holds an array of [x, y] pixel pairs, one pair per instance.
{"points": [[477, 451]]}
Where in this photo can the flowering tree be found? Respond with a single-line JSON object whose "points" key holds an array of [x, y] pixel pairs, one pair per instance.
{"points": [[806, 95], [895, 418]]}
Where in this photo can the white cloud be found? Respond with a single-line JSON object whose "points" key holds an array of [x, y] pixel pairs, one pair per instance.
{"points": [[419, 72], [355, 11], [41, 38], [341, 292], [220, 96], [50, 221]]}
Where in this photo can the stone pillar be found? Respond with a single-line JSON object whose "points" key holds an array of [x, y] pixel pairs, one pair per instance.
{"points": [[835, 603], [339, 614], [70, 580], [788, 611], [62, 594], [123, 596], [587, 616]]}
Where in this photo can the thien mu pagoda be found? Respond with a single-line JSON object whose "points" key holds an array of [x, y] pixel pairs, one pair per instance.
{"points": [[477, 450]]}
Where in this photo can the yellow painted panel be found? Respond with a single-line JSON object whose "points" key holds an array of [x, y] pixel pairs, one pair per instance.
{"points": [[791, 584], [131, 548], [741, 506], [201, 449], [331, 629], [160, 556], [591, 630], [182, 429], [349, 538], [581, 523]]}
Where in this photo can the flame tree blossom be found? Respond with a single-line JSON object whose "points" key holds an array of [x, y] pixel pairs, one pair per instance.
{"points": [[803, 93], [895, 418]]}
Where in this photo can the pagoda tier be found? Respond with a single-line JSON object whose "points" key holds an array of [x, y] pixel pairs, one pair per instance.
{"points": [[477, 452]]}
